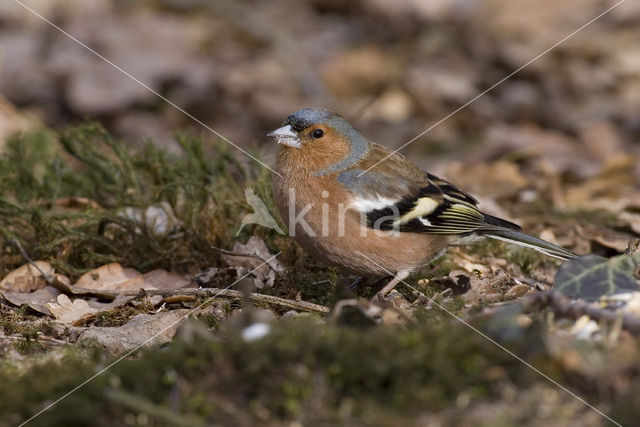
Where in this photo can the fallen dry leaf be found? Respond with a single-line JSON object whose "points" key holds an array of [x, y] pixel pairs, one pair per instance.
{"points": [[632, 220], [36, 300], [114, 277], [156, 279], [118, 301], [264, 273], [70, 312], [143, 329], [108, 277], [27, 277], [605, 238]]}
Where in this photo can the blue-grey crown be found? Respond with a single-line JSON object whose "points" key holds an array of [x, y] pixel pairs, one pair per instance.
{"points": [[302, 119]]}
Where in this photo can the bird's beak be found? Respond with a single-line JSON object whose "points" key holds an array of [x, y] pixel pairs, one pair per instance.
{"points": [[286, 136]]}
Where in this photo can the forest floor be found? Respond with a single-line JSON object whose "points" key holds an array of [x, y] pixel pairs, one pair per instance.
{"points": [[480, 337]]}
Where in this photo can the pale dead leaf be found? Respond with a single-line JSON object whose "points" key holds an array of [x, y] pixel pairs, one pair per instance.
{"points": [[605, 237], [36, 300], [108, 277], [264, 273], [27, 277], [139, 330], [70, 312], [156, 279], [632, 219], [613, 241], [158, 219], [463, 261], [118, 301]]}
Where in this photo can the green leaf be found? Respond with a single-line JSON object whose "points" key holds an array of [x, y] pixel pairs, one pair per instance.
{"points": [[591, 276]]}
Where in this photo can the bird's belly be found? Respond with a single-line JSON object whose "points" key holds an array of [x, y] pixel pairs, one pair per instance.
{"points": [[339, 239]]}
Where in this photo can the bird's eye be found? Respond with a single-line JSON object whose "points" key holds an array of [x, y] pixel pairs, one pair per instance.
{"points": [[317, 133]]}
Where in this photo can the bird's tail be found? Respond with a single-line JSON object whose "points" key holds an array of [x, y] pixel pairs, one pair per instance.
{"points": [[522, 239]]}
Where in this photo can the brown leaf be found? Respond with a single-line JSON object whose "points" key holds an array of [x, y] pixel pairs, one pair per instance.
{"points": [[118, 301], [70, 312], [156, 279], [36, 300], [27, 278], [114, 277], [264, 273], [632, 219], [143, 329], [108, 277]]}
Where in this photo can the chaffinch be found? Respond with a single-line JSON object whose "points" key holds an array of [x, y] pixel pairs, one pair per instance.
{"points": [[390, 220]]}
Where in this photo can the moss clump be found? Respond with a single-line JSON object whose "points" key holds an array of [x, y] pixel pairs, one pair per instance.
{"points": [[300, 371], [202, 186]]}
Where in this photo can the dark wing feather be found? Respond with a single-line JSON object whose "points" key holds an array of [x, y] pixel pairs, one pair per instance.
{"points": [[436, 206], [453, 212]]}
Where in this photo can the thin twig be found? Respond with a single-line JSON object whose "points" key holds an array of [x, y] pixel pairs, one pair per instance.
{"points": [[17, 244], [226, 293]]}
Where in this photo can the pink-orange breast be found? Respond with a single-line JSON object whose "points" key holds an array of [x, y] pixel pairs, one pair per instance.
{"points": [[334, 232]]}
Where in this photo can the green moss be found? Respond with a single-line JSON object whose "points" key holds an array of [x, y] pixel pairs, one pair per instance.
{"points": [[203, 186], [283, 375], [300, 371]]}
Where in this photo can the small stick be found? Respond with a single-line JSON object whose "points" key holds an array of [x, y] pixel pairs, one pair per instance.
{"points": [[17, 244], [226, 293]]}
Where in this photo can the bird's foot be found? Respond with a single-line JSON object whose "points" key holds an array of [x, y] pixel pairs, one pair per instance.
{"points": [[382, 294]]}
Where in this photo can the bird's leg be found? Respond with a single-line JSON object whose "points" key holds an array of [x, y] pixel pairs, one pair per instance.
{"points": [[399, 277]]}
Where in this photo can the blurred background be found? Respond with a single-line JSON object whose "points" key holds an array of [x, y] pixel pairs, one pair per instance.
{"points": [[392, 68]]}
